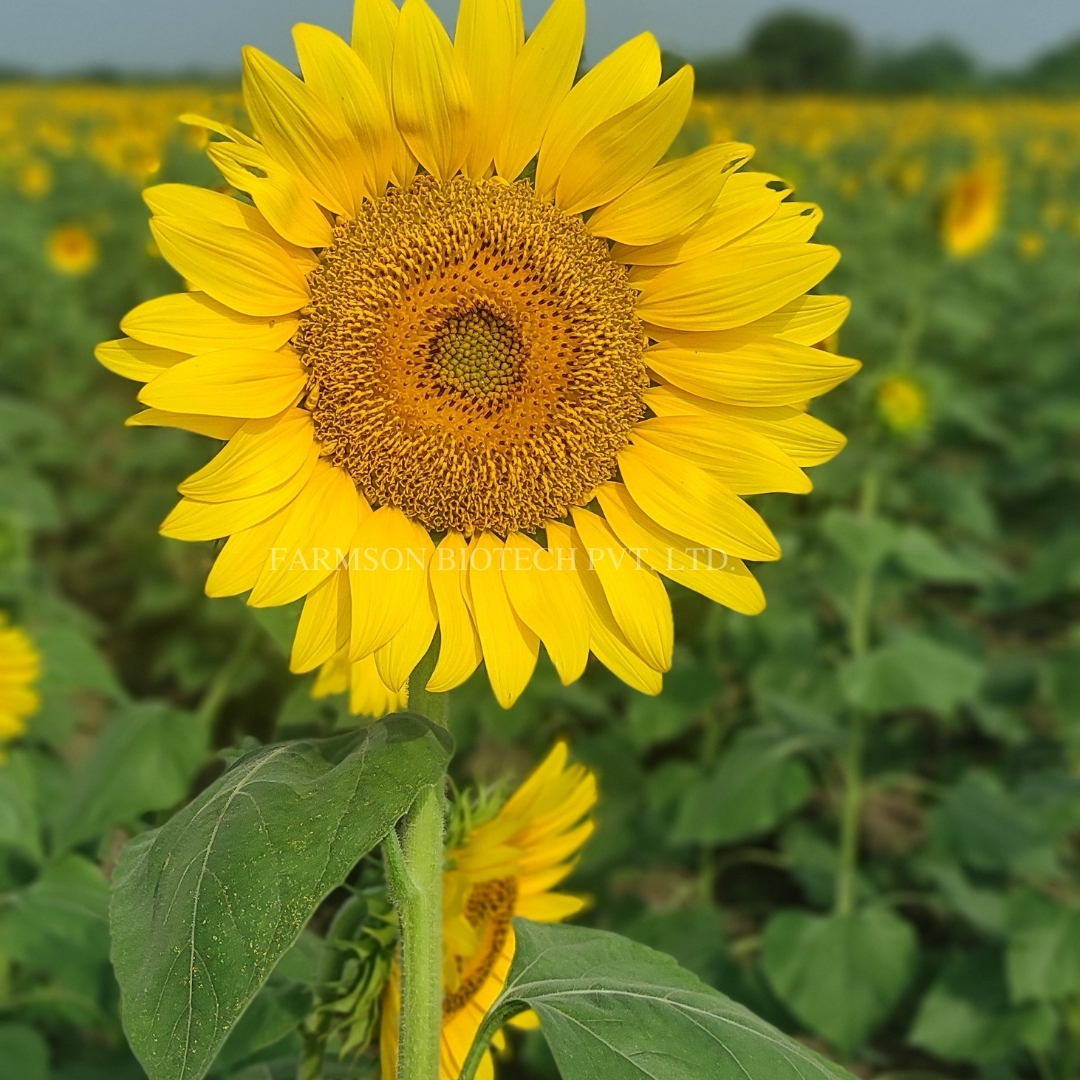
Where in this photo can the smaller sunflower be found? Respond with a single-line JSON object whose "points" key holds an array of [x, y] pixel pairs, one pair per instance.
{"points": [[902, 404], [505, 867], [72, 250], [971, 215], [20, 666]]}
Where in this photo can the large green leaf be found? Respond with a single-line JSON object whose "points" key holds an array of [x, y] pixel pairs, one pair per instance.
{"points": [[18, 814], [1043, 956], [756, 785], [204, 907], [911, 673], [612, 1009], [145, 760], [839, 974]]}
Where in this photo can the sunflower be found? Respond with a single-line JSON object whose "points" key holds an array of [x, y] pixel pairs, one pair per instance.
{"points": [[483, 362], [20, 666], [503, 868], [902, 404], [72, 250], [971, 213]]}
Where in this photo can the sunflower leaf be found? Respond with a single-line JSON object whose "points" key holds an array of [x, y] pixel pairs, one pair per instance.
{"points": [[204, 907], [612, 1009]]}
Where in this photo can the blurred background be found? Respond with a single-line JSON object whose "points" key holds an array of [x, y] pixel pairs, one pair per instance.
{"points": [[858, 813]]}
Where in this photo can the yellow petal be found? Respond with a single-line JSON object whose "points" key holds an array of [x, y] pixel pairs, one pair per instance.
{"points": [[689, 501], [807, 320], [225, 130], [214, 427], [460, 651], [333, 676], [805, 439], [374, 29], [793, 223], [618, 153], [542, 77], [192, 520], [396, 660], [548, 601], [606, 640], [746, 200], [633, 589], [345, 85], [733, 286], [740, 368], [314, 538], [262, 455], [670, 198], [488, 39], [510, 647], [324, 624], [241, 269], [194, 323], [135, 360], [275, 191], [387, 573], [299, 131], [368, 694], [620, 80], [240, 561], [712, 573], [234, 382], [551, 907], [432, 99], [734, 453]]}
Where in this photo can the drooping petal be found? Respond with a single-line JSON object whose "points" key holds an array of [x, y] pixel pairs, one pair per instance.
{"points": [[606, 640], [510, 647], [240, 561], [251, 383], [195, 323], [793, 223], [620, 80], [396, 660], [488, 38], [243, 270], [618, 153], [671, 198], [733, 286], [299, 131], [548, 601], [368, 694], [689, 501], [135, 360], [314, 538], [262, 455], [740, 368], [432, 99], [712, 573], [542, 77], [633, 589], [346, 86], [460, 650], [387, 573], [325, 624], [734, 453]]}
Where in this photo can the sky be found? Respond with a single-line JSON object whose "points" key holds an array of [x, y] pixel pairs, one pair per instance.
{"points": [[63, 36]]}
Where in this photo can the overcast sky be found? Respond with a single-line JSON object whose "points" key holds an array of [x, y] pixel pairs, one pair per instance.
{"points": [[57, 36]]}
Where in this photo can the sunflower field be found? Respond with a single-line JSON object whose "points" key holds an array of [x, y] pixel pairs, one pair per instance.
{"points": [[856, 813]]}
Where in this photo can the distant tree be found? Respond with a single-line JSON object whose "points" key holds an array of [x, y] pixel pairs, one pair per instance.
{"points": [[1055, 72], [793, 51], [938, 67]]}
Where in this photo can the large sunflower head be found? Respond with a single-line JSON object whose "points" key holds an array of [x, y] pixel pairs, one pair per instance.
{"points": [[20, 667], [508, 866], [484, 362]]}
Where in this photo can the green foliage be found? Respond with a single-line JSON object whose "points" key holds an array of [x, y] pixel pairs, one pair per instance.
{"points": [[611, 1008], [204, 907]]}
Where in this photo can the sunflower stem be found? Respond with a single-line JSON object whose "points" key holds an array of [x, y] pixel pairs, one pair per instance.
{"points": [[415, 869]]}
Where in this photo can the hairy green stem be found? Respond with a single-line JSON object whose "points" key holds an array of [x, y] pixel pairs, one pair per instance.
{"points": [[415, 869], [858, 644]]}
